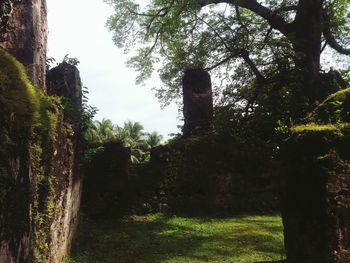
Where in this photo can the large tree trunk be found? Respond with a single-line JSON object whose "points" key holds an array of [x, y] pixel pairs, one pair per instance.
{"points": [[306, 40]]}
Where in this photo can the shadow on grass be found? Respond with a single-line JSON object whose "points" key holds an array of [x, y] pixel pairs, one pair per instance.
{"points": [[157, 238]]}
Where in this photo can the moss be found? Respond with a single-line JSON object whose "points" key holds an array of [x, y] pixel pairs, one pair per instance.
{"points": [[28, 120], [335, 109], [335, 129]]}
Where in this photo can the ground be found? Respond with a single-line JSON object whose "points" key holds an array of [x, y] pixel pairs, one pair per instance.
{"points": [[157, 238]]}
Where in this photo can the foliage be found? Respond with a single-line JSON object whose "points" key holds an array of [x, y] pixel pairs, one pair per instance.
{"points": [[131, 135], [70, 60], [335, 109], [244, 47], [156, 238], [258, 53], [51, 62]]}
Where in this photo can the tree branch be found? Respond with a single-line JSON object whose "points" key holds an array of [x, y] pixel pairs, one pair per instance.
{"points": [[329, 37], [331, 41], [285, 9], [224, 60], [253, 67], [275, 21]]}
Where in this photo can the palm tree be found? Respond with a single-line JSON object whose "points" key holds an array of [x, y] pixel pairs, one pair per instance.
{"points": [[153, 139], [133, 129], [92, 135], [132, 136], [106, 130]]}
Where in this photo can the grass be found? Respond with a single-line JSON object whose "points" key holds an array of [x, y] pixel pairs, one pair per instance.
{"points": [[156, 238]]}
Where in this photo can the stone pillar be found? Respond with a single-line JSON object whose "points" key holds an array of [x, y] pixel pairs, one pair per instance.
{"points": [[26, 38], [64, 81], [316, 195], [197, 103]]}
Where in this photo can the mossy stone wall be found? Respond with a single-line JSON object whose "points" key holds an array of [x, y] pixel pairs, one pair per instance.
{"points": [[37, 162], [215, 174], [315, 168], [28, 122], [200, 175]]}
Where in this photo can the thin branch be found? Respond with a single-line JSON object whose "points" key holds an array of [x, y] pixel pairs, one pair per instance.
{"points": [[215, 32], [223, 61], [238, 13], [324, 46]]}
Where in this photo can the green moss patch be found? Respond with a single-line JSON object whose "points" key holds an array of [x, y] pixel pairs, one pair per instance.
{"points": [[335, 109], [331, 129]]}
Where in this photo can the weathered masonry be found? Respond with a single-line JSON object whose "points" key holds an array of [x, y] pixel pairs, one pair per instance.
{"points": [[40, 171]]}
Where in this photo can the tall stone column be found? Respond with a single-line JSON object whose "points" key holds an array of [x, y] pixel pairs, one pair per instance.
{"points": [[26, 38], [64, 81], [197, 103]]}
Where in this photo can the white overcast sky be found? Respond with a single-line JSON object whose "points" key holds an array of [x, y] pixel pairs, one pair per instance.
{"points": [[77, 28]]}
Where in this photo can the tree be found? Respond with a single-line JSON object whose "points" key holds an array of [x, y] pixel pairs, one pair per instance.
{"points": [[131, 134], [153, 139], [100, 132], [256, 49]]}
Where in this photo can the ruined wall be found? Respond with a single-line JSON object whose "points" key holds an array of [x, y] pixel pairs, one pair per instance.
{"points": [[40, 173], [315, 168], [316, 200], [215, 174], [202, 175], [64, 81], [19, 111], [26, 38], [107, 187], [40, 178]]}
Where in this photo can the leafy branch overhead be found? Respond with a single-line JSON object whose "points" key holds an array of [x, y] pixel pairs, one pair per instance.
{"points": [[246, 44]]}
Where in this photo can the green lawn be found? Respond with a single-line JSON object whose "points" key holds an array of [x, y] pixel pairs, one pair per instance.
{"points": [[156, 238]]}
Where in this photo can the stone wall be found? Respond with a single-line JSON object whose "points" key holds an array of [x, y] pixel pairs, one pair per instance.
{"points": [[316, 195], [107, 186], [215, 174], [64, 81], [19, 105], [315, 168], [26, 38], [201, 175], [40, 166]]}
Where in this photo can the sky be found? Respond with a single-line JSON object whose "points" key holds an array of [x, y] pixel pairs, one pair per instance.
{"points": [[77, 28]]}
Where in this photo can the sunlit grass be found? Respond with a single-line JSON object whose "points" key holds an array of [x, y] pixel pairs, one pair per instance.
{"points": [[156, 238]]}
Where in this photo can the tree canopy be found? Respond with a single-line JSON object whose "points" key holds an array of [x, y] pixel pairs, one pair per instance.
{"points": [[250, 47]]}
